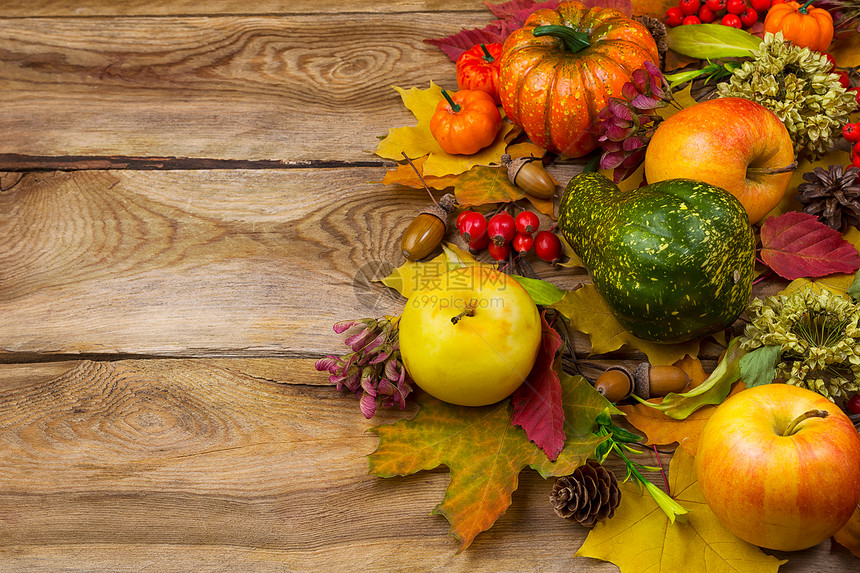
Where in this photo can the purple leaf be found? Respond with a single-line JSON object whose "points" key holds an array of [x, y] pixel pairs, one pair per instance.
{"points": [[646, 103], [329, 363], [344, 325], [797, 245], [455, 44], [367, 404], [611, 160], [619, 109]]}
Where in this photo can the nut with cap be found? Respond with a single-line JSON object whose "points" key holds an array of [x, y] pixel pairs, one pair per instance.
{"points": [[655, 381], [528, 174], [616, 383]]}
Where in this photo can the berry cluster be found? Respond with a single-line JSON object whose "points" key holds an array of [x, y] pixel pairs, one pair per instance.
{"points": [[734, 13], [504, 232], [851, 132]]}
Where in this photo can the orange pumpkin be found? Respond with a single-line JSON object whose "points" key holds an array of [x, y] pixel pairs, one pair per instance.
{"points": [[803, 25], [560, 69], [465, 122]]}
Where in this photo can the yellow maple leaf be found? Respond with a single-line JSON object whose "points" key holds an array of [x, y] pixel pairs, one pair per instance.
{"points": [[417, 140], [405, 175], [414, 276], [640, 538], [589, 313], [849, 535]]}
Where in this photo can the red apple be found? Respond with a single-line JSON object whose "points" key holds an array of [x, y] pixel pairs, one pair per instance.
{"points": [[774, 478], [732, 143]]}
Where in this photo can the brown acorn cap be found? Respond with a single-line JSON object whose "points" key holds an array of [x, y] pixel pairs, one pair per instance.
{"points": [[642, 380], [438, 212], [514, 165]]}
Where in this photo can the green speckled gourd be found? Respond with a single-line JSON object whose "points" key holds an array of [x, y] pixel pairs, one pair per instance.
{"points": [[673, 260]]}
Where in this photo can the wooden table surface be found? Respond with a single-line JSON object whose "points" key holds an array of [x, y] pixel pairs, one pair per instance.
{"points": [[188, 202]]}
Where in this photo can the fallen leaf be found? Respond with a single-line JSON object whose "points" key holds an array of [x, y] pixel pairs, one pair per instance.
{"points": [[849, 535], [837, 283], [589, 313], [662, 430], [683, 99], [542, 292], [653, 8], [758, 367], [483, 452], [417, 141], [454, 45], [797, 245], [537, 402], [414, 276], [525, 149], [640, 538], [481, 185], [517, 11], [403, 174]]}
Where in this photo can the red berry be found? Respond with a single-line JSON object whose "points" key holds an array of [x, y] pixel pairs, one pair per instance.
{"points": [[736, 6], [501, 228], [855, 160], [748, 17], [526, 222], [855, 151], [830, 59], [856, 95], [844, 79], [731, 20], [460, 218], [480, 243], [851, 132], [499, 252], [522, 243], [473, 226], [715, 6], [760, 5], [689, 20], [547, 246], [674, 16], [689, 7], [853, 404], [706, 15]]}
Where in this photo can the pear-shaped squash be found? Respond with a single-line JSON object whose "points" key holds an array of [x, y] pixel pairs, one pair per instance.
{"points": [[673, 260]]}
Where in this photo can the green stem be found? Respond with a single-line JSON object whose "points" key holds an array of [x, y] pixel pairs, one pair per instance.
{"points": [[487, 56], [803, 9], [573, 40], [792, 427], [455, 107]]}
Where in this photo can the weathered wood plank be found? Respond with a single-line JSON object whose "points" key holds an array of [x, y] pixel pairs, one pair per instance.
{"points": [[211, 464], [89, 8], [199, 263], [307, 87]]}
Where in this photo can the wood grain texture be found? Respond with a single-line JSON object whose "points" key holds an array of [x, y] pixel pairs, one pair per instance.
{"points": [[160, 464], [290, 88], [198, 263], [89, 8]]}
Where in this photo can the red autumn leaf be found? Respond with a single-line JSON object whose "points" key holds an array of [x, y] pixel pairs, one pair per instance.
{"points": [[537, 402], [516, 12], [797, 245], [456, 44]]}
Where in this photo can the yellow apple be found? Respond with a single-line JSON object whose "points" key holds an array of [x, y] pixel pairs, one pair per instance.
{"points": [[733, 143], [472, 337]]}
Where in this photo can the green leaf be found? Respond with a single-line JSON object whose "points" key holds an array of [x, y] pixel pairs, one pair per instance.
{"points": [[708, 41], [854, 289], [542, 292], [759, 366], [712, 391]]}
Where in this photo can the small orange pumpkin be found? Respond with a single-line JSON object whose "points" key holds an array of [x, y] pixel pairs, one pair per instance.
{"points": [[465, 122], [802, 25]]}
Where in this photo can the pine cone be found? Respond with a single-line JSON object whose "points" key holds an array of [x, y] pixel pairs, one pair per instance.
{"points": [[588, 495], [658, 32], [833, 195]]}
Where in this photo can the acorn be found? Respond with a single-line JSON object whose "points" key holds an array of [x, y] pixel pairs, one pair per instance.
{"points": [[657, 381], [427, 230], [615, 383], [528, 174]]}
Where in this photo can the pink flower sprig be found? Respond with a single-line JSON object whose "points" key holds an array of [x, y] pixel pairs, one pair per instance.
{"points": [[373, 371], [627, 123]]}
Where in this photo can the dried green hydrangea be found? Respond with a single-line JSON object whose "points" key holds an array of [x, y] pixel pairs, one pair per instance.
{"points": [[796, 84], [819, 337]]}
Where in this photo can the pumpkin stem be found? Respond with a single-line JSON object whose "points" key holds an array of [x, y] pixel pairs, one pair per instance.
{"points": [[487, 56], [803, 9], [455, 107], [573, 40]]}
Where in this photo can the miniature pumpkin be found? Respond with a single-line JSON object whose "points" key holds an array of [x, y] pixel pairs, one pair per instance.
{"points": [[803, 25], [560, 69], [478, 69], [465, 122]]}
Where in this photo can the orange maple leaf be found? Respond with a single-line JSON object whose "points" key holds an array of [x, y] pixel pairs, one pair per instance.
{"points": [[660, 429]]}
